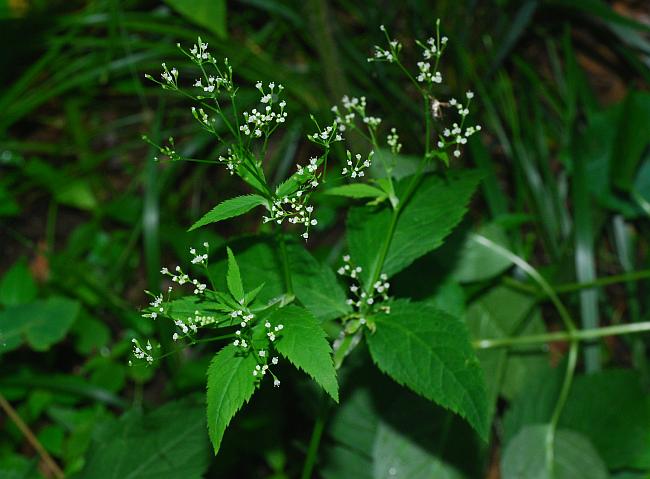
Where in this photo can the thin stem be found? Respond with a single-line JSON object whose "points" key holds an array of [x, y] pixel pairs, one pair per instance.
{"points": [[559, 406], [573, 287], [532, 272], [314, 443], [31, 438], [572, 336]]}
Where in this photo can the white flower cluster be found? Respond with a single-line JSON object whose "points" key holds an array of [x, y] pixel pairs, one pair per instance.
{"points": [[392, 140], [170, 76], [293, 209], [355, 167], [231, 161], [258, 123], [157, 306], [354, 107], [326, 136], [178, 276], [362, 300], [200, 52], [389, 55], [261, 369], [141, 352], [203, 118], [201, 259], [431, 51], [457, 135], [213, 83]]}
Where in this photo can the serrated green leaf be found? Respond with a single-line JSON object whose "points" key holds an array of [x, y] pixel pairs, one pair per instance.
{"points": [[167, 443], [435, 209], [40, 323], [356, 190], [573, 456], [429, 351], [235, 285], [231, 384], [303, 342], [229, 209]]}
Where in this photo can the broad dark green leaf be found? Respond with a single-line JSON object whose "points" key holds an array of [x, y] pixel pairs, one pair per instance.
{"points": [[229, 209], [41, 323], [231, 384], [430, 352], [612, 409], [395, 456], [503, 312], [210, 14], [167, 443], [17, 285], [435, 209], [477, 262], [573, 456], [233, 278], [356, 190], [303, 342]]}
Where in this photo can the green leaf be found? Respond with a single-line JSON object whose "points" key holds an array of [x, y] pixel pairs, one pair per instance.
{"points": [[210, 14], [17, 285], [502, 312], [430, 352], [632, 138], [41, 323], [356, 190], [229, 209], [164, 444], [396, 456], [435, 209], [315, 284], [573, 456], [612, 409], [302, 341], [230, 385], [235, 285], [478, 262]]}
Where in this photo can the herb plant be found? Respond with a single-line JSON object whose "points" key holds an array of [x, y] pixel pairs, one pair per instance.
{"points": [[403, 218]]}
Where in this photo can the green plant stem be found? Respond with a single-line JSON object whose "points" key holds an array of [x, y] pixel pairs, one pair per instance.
{"points": [[559, 406], [572, 336], [573, 287], [534, 274], [314, 442]]}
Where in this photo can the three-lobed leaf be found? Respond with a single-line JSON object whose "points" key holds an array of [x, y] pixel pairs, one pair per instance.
{"points": [[303, 342], [229, 209], [436, 207], [430, 352], [231, 384]]}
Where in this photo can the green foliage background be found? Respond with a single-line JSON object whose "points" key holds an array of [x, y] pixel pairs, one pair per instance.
{"points": [[88, 218]]}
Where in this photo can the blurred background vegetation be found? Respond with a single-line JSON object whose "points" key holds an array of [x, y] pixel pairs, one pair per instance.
{"points": [[88, 217]]}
